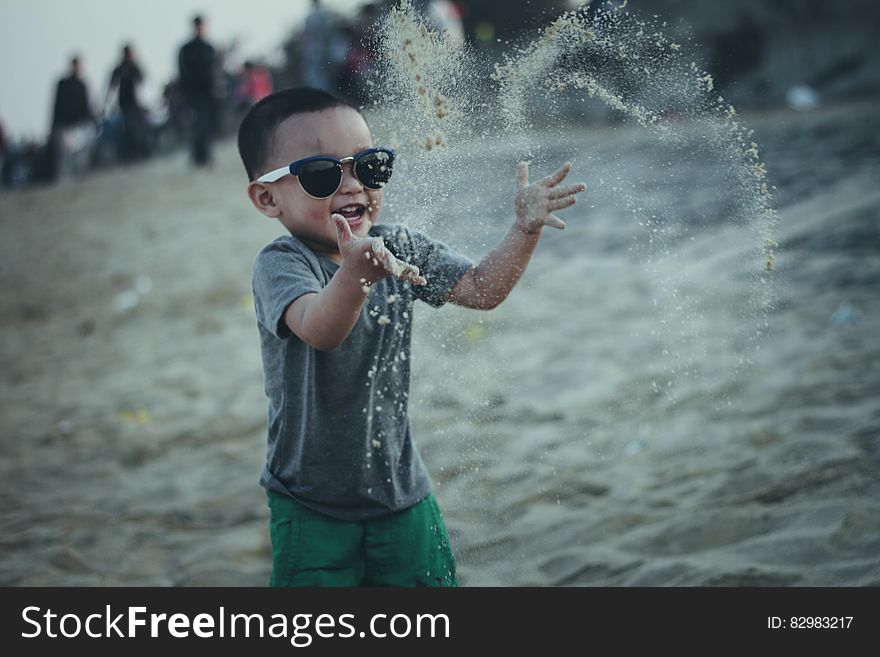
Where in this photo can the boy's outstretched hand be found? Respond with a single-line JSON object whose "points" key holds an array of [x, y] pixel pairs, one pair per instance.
{"points": [[536, 203], [369, 259]]}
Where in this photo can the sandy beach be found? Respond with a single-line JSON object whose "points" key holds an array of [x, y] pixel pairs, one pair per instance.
{"points": [[615, 422]]}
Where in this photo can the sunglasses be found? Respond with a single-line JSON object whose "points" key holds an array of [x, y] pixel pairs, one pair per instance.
{"points": [[321, 176]]}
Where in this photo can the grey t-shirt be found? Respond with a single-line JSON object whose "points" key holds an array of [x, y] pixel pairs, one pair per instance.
{"points": [[339, 432]]}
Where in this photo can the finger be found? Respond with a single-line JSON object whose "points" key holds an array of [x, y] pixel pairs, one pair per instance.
{"points": [[411, 274], [568, 190], [375, 250], [343, 230], [522, 174], [560, 203], [555, 178], [387, 259], [554, 222], [399, 268]]}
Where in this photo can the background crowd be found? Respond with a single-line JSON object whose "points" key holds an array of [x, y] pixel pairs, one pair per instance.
{"points": [[114, 126], [793, 52]]}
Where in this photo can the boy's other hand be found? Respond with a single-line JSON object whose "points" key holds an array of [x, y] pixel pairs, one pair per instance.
{"points": [[369, 260], [536, 203]]}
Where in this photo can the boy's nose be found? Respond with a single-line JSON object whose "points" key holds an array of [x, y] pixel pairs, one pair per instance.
{"points": [[350, 183]]}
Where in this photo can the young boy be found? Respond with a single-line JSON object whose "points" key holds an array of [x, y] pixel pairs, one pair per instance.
{"points": [[349, 495]]}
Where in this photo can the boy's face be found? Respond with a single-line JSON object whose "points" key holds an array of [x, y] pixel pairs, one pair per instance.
{"points": [[338, 132]]}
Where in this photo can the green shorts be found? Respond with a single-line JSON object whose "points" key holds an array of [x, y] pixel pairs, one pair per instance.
{"points": [[408, 548]]}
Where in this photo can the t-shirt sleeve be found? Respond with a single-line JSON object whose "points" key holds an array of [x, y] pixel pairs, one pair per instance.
{"points": [[281, 275], [441, 266]]}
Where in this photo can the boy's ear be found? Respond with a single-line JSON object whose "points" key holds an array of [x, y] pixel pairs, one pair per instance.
{"points": [[263, 199]]}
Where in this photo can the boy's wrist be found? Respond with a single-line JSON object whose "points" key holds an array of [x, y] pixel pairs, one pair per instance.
{"points": [[523, 228], [351, 280]]}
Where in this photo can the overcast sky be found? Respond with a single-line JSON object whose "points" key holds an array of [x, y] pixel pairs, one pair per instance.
{"points": [[38, 38]]}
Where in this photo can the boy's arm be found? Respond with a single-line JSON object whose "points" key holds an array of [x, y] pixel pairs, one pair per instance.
{"points": [[324, 319], [488, 284]]}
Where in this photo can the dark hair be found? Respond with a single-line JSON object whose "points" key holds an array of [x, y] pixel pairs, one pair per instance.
{"points": [[256, 133]]}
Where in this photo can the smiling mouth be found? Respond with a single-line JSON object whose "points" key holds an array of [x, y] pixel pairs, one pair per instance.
{"points": [[353, 213]]}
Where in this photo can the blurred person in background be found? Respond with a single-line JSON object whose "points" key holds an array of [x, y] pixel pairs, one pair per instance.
{"points": [[197, 62], [73, 130], [316, 43], [358, 60], [133, 140], [17, 158], [254, 84]]}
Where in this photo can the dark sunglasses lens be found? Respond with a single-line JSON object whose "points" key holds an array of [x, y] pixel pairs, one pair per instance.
{"points": [[374, 169], [320, 178]]}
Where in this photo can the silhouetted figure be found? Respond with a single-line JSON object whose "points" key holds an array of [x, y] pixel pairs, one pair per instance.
{"points": [[134, 140], [197, 79], [73, 125], [316, 48], [71, 100]]}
